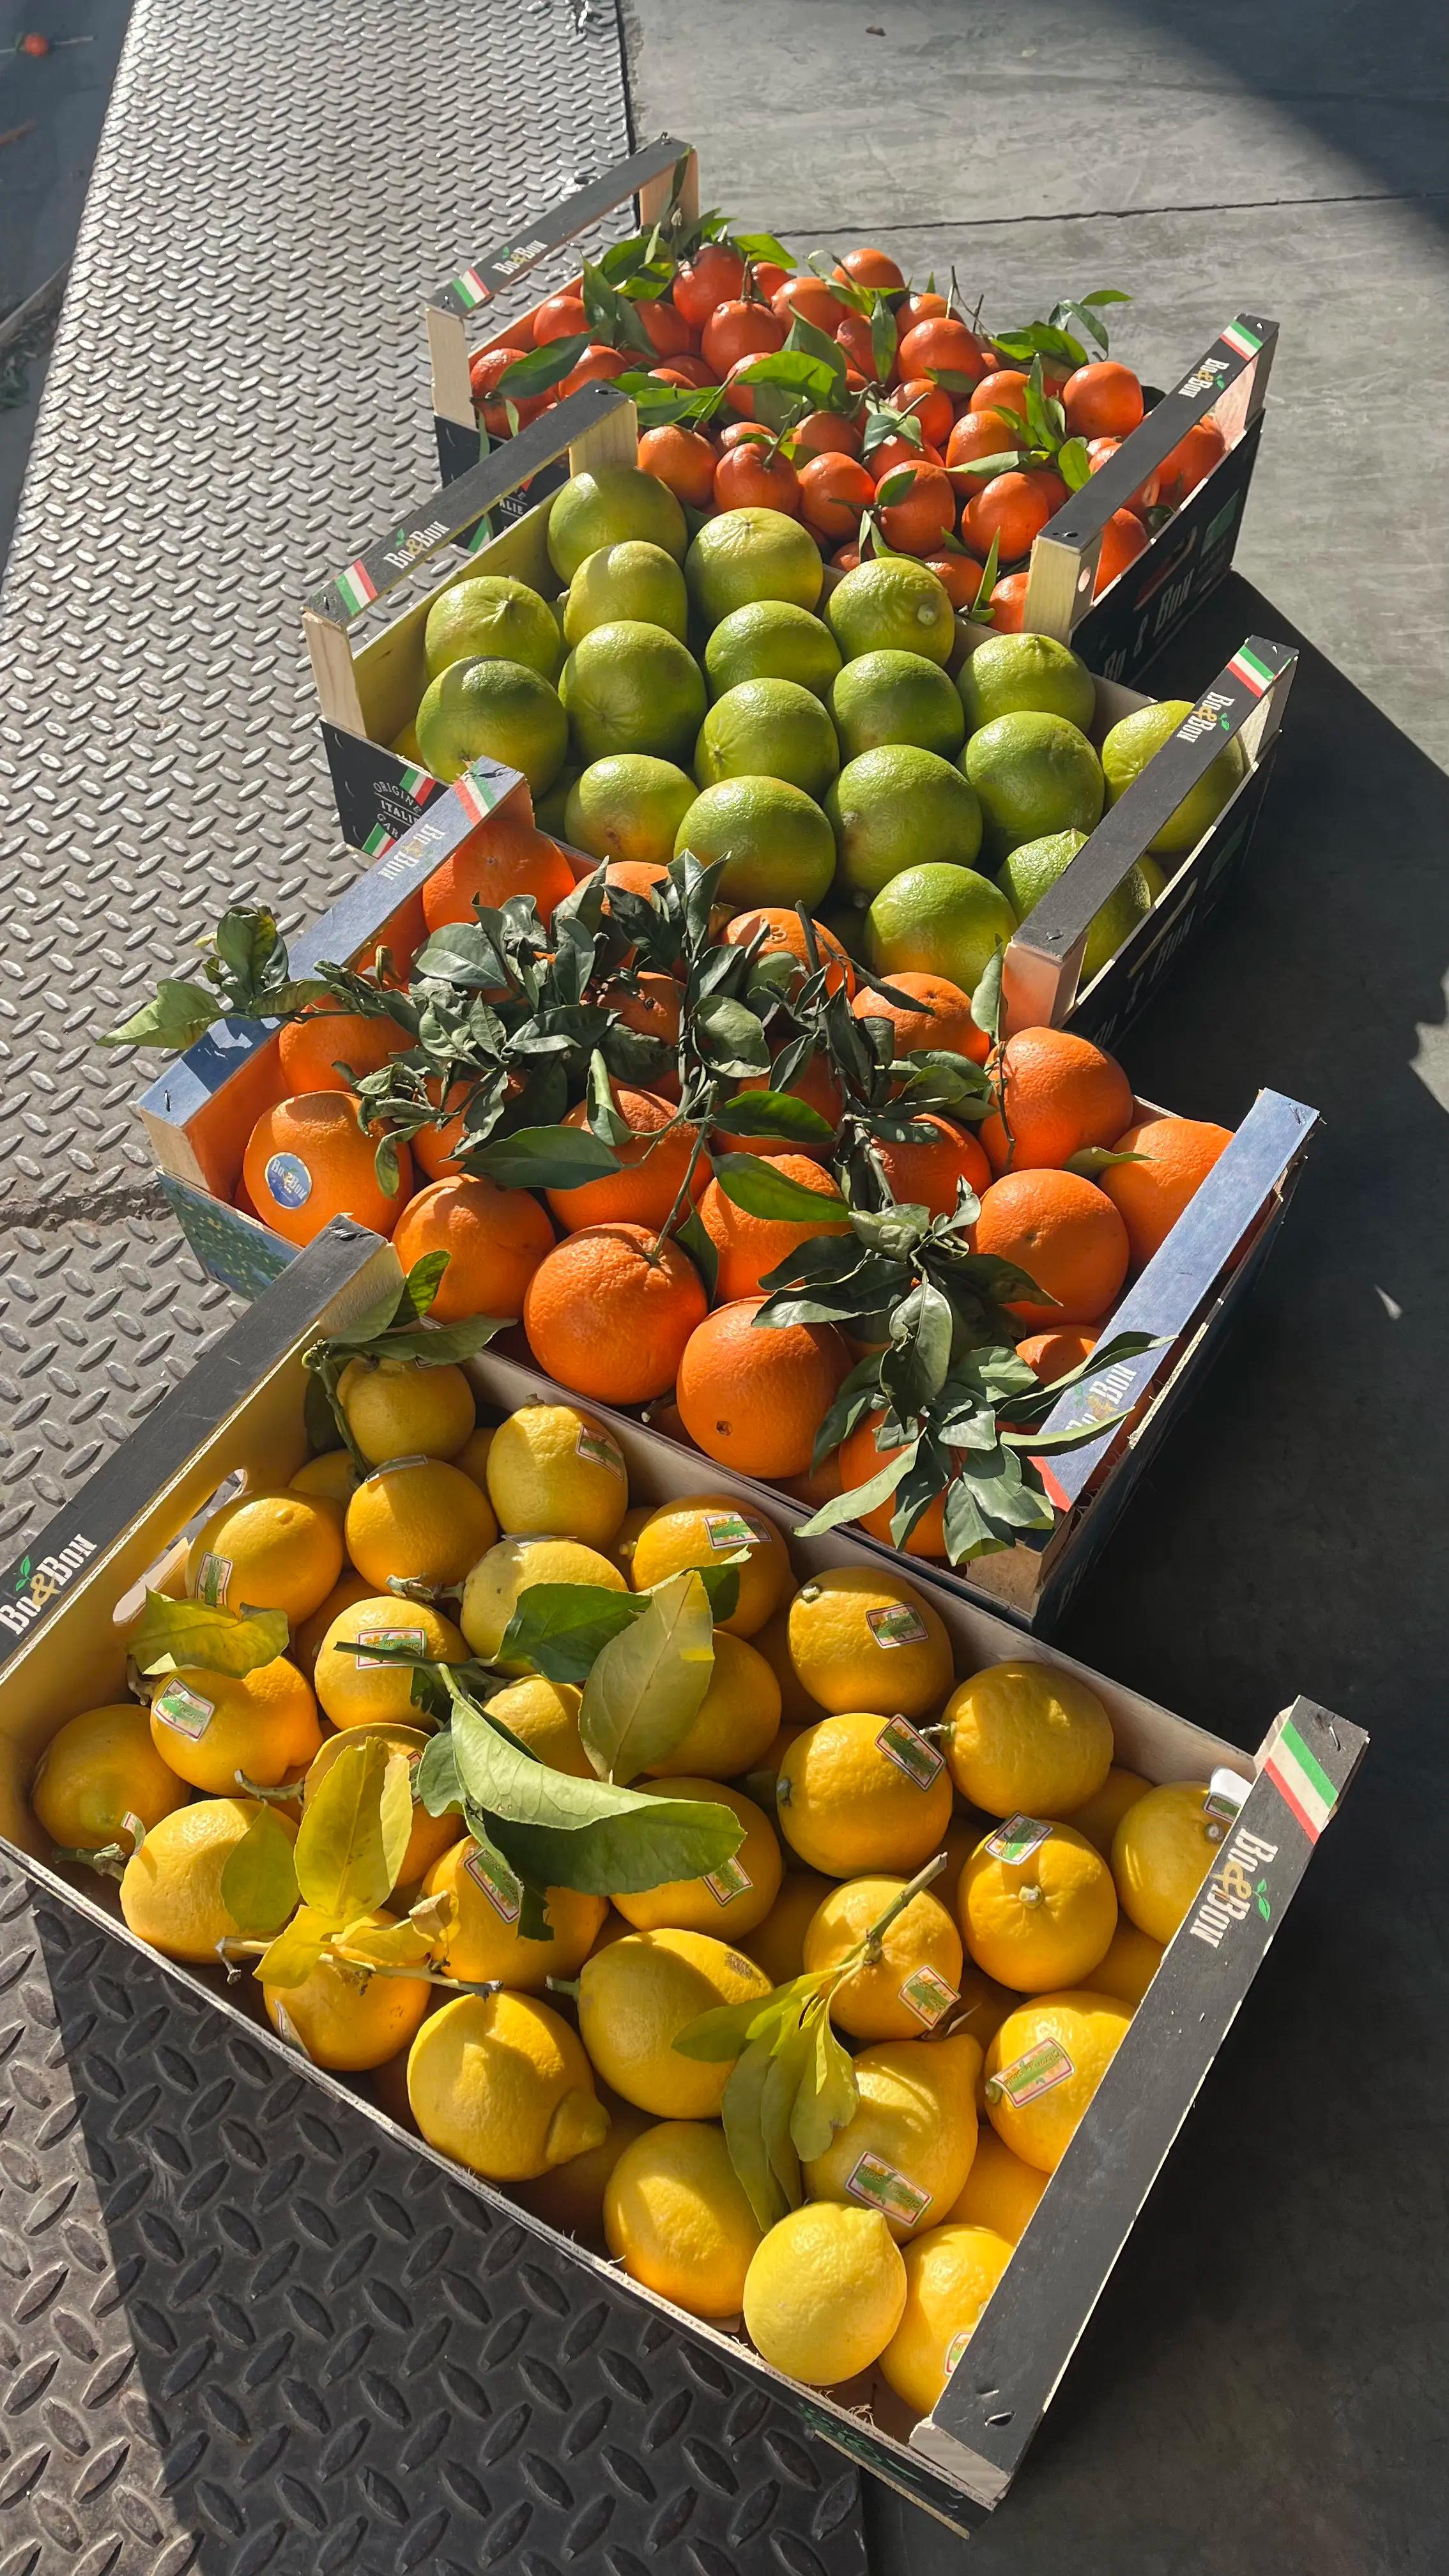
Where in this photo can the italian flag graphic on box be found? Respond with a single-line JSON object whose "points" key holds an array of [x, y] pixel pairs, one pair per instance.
{"points": [[418, 783], [1243, 342], [357, 587], [1300, 1779], [378, 841], [1255, 675], [470, 289], [476, 793]]}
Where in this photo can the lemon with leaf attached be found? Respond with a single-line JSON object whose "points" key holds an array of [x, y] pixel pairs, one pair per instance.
{"points": [[637, 1995], [344, 2014], [210, 1727], [728, 1901], [171, 1888], [498, 1579], [485, 1940], [97, 1772], [676, 2217], [362, 1687], [911, 1974]]}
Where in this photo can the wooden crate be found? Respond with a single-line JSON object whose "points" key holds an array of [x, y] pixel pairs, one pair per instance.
{"points": [[62, 1649], [1141, 610], [200, 1112]]}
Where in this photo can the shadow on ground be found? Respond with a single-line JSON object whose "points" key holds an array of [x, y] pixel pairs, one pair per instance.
{"points": [[1267, 2358]]}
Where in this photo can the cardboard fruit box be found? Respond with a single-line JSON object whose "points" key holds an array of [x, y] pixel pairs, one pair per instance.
{"points": [[62, 1649], [199, 1114], [368, 695], [1117, 634]]}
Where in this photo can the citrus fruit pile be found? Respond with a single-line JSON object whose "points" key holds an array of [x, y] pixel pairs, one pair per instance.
{"points": [[706, 1909], [868, 406]]}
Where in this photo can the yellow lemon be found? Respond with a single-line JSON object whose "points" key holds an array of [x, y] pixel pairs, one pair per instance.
{"points": [[570, 2196], [1129, 1964], [554, 1472], [171, 1887], [951, 2272], [983, 2008], [915, 1975], [676, 2217], [1037, 1905], [732, 1899], [737, 1721], [861, 1792], [763, 1778], [797, 1708], [1101, 1815], [98, 1771], [332, 1477], [958, 1842], [419, 1520], [824, 2293], [397, 1409], [307, 1640], [346, 2017], [859, 1639], [490, 1595], [207, 1727], [908, 2147], [1043, 2067], [544, 1715], [778, 1944], [267, 1552], [484, 1940], [500, 2082], [635, 1997], [1000, 2192], [1162, 1851], [430, 1835], [473, 1456], [1027, 1739], [356, 1692], [708, 1529]]}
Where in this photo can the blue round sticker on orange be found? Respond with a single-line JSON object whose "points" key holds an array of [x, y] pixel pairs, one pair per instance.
{"points": [[289, 1180]]}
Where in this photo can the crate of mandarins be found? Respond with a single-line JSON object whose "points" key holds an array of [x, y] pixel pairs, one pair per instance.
{"points": [[746, 1929], [887, 415], [838, 1231]]}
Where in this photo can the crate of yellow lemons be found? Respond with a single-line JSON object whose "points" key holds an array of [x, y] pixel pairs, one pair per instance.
{"points": [[817, 2086]]}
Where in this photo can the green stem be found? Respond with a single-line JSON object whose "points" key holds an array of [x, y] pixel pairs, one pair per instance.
{"points": [[288, 1795], [868, 1951], [684, 1195]]}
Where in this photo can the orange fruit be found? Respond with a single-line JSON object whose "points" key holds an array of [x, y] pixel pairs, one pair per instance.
{"points": [[559, 317], [917, 517], [1065, 1234], [608, 1312], [599, 365], [748, 1245], [1098, 452], [753, 1397], [1061, 1093], [433, 1147], [1049, 1355], [1013, 509], [494, 1238], [808, 299], [943, 1024], [638, 876], [834, 490], [1190, 462], [310, 1159], [714, 273], [749, 479], [738, 330], [653, 1169], [859, 1461], [854, 336], [1008, 603], [816, 1086], [785, 937], [943, 346], [505, 854], [928, 403], [1003, 390], [959, 577], [665, 328], [1150, 1196], [1103, 400], [894, 451], [484, 371], [1124, 538], [870, 267], [313, 1050], [927, 1175], [977, 435], [682, 459], [826, 433], [648, 1003]]}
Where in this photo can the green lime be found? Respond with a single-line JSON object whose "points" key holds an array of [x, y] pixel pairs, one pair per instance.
{"points": [[892, 605], [1129, 747], [1012, 675], [748, 555], [1034, 774], [1036, 865], [896, 697], [634, 580], [629, 807], [551, 809], [631, 687], [489, 615], [1154, 876], [771, 640], [607, 509], [500, 708], [774, 837], [938, 921], [900, 807], [768, 729]]}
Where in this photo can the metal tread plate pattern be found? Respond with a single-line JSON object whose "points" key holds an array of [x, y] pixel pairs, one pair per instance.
{"points": [[234, 2332]]}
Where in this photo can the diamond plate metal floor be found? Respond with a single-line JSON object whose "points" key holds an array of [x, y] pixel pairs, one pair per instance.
{"points": [[233, 2335]]}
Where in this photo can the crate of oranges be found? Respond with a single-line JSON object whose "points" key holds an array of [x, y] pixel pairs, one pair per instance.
{"points": [[1028, 463], [836, 1231], [755, 1931]]}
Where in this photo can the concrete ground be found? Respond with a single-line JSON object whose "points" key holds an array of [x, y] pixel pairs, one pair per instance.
{"points": [[1262, 2386]]}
